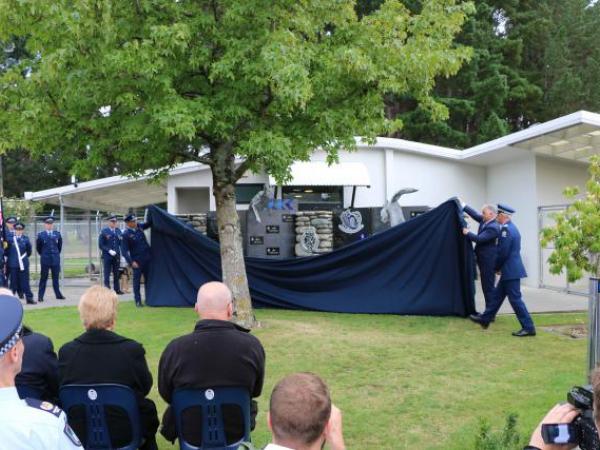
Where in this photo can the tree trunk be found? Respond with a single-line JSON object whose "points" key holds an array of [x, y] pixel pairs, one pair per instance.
{"points": [[233, 265]]}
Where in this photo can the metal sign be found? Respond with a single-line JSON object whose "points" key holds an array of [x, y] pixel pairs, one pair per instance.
{"points": [[257, 240], [272, 229], [273, 251]]}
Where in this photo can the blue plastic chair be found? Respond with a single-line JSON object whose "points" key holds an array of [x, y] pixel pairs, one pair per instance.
{"points": [[210, 401], [94, 398], [26, 391]]}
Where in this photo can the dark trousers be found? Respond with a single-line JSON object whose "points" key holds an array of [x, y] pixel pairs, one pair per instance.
{"points": [[487, 276], [512, 289], [110, 265], [44, 279], [143, 269], [9, 280], [2, 277], [19, 282]]}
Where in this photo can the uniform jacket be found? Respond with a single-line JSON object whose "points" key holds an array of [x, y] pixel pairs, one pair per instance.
{"points": [[49, 246], [486, 238], [33, 424], [135, 245], [40, 366], [24, 247], [509, 261], [217, 353], [109, 239], [102, 356]]}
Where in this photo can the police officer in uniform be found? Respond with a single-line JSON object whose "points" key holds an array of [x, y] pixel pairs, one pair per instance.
{"points": [[109, 242], [25, 423], [3, 244], [49, 246], [10, 232], [486, 241], [137, 253], [509, 267], [19, 247]]}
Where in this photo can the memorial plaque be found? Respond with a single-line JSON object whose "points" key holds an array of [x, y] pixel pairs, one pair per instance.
{"points": [[287, 218], [273, 251], [272, 229], [257, 240]]}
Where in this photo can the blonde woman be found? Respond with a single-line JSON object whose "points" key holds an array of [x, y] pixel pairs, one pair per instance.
{"points": [[100, 355]]}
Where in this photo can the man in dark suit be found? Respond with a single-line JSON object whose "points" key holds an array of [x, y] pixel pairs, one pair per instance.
{"points": [[218, 353], [486, 241], [101, 356], [509, 266]]}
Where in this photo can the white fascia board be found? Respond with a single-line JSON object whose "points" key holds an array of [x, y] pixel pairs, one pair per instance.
{"points": [[412, 147], [577, 118]]}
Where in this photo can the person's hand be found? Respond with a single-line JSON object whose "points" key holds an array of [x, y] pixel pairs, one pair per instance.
{"points": [[465, 231], [334, 437], [135, 265], [565, 413], [112, 252]]}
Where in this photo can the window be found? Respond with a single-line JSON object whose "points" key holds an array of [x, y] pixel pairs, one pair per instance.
{"points": [[310, 197], [245, 192]]}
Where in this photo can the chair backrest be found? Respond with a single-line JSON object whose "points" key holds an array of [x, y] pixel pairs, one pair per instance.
{"points": [[94, 398], [26, 391], [211, 401]]}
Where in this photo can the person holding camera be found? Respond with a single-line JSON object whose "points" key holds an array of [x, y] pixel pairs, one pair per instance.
{"points": [[572, 424]]}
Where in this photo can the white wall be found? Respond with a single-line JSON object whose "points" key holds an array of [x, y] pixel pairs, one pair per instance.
{"points": [[437, 180], [514, 183], [202, 178], [554, 175]]}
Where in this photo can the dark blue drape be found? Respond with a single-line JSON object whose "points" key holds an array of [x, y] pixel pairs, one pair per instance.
{"points": [[422, 267]]}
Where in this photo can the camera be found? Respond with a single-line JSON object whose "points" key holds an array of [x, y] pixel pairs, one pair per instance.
{"points": [[582, 431]]}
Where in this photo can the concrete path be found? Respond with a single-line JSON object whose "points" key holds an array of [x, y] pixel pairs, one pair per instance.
{"points": [[537, 300], [540, 301]]}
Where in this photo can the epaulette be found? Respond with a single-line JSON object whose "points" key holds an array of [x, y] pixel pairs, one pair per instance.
{"points": [[44, 406]]}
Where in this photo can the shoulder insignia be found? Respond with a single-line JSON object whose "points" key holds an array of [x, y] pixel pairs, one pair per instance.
{"points": [[72, 436], [44, 406]]}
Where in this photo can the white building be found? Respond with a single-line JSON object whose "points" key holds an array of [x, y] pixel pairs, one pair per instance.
{"points": [[527, 170]]}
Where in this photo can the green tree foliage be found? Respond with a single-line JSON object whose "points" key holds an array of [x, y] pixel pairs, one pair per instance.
{"points": [[533, 60], [238, 85], [575, 234]]}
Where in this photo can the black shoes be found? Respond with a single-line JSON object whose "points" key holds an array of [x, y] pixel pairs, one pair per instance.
{"points": [[120, 293], [139, 305], [524, 333], [31, 301], [477, 319], [61, 297]]}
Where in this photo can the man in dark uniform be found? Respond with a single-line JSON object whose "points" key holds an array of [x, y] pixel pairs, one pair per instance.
{"points": [[509, 267], [486, 241], [109, 242], [10, 232], [137, 253], [29, 423], [49, 246], [19, 250]]}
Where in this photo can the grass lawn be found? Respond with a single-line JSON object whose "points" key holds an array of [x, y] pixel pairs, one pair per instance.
{"points": [[401, 382]]}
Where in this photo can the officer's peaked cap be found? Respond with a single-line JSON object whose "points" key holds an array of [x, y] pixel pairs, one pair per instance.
{"points": [[19, 226], [505, 209], [11, 219], [49, 219], [11, 322], [130, 218], [112, 217]]}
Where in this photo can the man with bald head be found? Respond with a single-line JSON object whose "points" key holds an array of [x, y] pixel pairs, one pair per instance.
{"points": [[217, 353]]}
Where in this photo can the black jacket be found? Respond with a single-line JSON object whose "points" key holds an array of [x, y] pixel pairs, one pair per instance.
{"points": [[39, 371], [101, 356], [218, 353]]}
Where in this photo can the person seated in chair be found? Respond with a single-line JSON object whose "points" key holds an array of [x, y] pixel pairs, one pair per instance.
{"points": [[217, 353], [101, 356]]}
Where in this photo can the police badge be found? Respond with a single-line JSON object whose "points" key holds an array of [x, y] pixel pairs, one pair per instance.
{"points": [[351, 222], [309, 240]]}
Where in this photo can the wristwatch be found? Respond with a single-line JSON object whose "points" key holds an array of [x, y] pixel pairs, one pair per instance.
{"points": [[531, 447]]}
